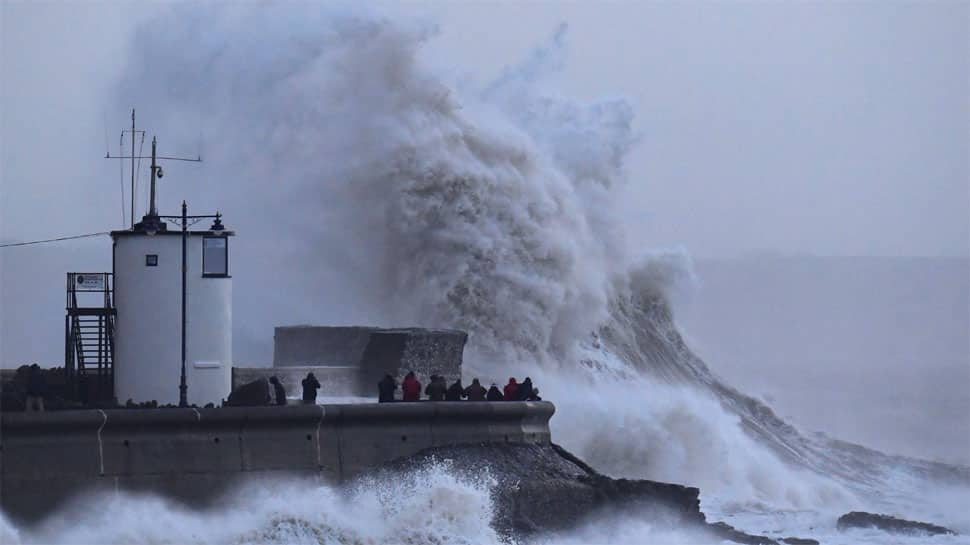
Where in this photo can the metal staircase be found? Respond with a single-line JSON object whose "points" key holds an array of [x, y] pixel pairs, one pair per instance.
{"points": [[89, 337]]}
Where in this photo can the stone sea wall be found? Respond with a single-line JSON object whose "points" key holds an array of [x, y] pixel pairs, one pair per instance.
{"points": [[195, 454]]}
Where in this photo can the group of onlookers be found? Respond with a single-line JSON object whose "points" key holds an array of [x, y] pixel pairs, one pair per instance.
{"points": [[438, 390]]}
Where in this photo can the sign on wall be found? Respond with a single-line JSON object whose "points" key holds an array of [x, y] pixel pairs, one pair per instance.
{"points": [[89, 282]]}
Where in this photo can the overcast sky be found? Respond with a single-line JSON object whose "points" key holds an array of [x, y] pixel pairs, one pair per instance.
{"points": [[823, 128], [811, 128]]}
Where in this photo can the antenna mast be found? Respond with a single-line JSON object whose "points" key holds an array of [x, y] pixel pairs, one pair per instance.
{"points": [[155, 169], [152, 216], [134, 132], [132, 215]]}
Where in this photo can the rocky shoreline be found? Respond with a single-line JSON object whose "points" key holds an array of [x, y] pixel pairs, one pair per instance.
{"points": [[544, 489]]}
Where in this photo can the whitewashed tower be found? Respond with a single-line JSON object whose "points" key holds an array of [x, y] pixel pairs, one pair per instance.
{"points": [[173, 298]]}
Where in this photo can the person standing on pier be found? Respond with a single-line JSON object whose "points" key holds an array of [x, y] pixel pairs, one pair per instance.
{"points": [[36, 388], [436, 389], [475, 392], [511, 391], [386, 388], [279, 390], [310, 387], [411, 388], [455, 391]]}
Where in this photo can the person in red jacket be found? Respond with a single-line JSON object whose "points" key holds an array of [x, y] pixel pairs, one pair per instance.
{"points": [[511, 390], [410, 388]]}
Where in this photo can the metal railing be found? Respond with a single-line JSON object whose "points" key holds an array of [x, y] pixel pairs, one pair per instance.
{"points": [[89, 337]]}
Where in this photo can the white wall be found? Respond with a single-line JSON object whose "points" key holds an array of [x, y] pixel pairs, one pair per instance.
{"points": [[208, 331], [148, 328]]}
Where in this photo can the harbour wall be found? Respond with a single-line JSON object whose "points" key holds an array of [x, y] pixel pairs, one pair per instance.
{"points": [[194, 455]]}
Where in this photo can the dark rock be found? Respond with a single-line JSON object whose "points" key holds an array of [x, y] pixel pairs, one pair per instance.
{"points": [[799, 541], [725, 531], [543, 489], [861, 519], [536, 489], [252, 394]]}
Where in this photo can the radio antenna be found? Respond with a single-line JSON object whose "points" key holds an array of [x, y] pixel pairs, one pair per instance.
{"points": [[134, 132], [156, 169]]}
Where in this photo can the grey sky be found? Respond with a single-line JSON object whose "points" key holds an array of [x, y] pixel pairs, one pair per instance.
{"points": [[822, 128]]}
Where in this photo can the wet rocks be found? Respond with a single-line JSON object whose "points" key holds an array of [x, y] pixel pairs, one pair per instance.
{"points": [[861, 519], [544, 489], [727, 532], [252, 394], [799, 541]]}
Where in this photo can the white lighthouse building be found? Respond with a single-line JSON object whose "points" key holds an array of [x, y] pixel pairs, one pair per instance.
{"points": [[159, 326], [172, 334], [156, 305]]}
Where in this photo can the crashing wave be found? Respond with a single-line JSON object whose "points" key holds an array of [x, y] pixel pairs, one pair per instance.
{"points": [[489, 207]]}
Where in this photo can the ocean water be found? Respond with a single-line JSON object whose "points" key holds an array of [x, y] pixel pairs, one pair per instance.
{"points": [[428, 505], [404, 193], [814, 335]]}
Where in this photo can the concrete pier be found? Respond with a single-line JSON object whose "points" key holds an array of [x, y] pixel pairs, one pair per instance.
{"points": [[194, 454]]}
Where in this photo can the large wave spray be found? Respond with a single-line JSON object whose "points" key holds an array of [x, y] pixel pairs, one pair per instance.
{"points": [[429, 505], [486, 209], [392, 194]]}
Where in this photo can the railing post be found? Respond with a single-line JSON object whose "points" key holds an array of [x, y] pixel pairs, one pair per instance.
{"points": [[100, 357], [68, 364]]}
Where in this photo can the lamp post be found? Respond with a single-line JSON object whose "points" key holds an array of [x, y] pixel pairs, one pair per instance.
{"points": [[183, 388], [184, 221]]}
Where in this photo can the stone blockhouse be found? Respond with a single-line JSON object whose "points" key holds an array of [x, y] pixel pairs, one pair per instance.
{"points": [[354, 358]]}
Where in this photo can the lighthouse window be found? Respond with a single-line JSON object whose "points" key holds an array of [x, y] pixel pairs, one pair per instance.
{"points": [[215, 256], [151, 260]]}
